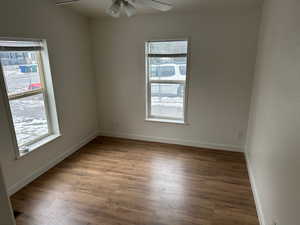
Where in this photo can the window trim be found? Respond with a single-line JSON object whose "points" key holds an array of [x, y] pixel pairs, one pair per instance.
{"points": [[148, 82], [45, 90]]}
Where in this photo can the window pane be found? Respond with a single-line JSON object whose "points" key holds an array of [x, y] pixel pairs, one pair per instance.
{"points": [[167, 100], [20, 71], [170, 47], [167, 68], [182, 69], [29, 117]]}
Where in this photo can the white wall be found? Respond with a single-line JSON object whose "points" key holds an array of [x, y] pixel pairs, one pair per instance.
{"points": [[274, 137], [68, 39], [6, 213], [223, 49]]}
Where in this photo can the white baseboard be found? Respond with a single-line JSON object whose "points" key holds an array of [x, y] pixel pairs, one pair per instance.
{"points": [[173, 141], [258, 205], [22, 183]]}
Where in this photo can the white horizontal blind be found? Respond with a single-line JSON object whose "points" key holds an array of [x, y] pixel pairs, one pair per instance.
{"points": [[20, 45]]}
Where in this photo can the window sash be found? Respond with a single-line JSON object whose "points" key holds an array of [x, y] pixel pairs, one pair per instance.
{"points": [[43, 136], [149, 96], [172, 118], [42, 80], [25, 94], [50, 131], [49, 124]]}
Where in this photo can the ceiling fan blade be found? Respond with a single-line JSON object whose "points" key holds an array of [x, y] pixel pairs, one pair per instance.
{"points": [[129, 9], [66, 2], [156, 4], [115, 9]]}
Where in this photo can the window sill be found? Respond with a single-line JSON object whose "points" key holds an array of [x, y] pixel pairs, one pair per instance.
{"points": [[179, 122], [39, 144]]}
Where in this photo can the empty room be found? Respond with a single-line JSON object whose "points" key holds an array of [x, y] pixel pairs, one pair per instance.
{"points": [[149, 112]]}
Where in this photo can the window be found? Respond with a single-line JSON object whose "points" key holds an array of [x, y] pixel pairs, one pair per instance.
{"points": [[28, 92], [166, 71]]}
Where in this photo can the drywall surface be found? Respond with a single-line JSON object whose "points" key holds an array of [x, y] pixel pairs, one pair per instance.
{"points": [[6, 214], [68, 40], [273, 145], [223, 49]]}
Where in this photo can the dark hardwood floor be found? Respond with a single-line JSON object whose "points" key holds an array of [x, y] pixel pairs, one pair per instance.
{"points": [[120, 182]]}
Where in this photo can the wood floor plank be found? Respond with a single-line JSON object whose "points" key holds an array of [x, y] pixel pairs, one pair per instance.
{"points": [[115, 181]]}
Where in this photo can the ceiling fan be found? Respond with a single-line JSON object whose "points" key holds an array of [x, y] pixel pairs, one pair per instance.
{"points": [[128, 6]]}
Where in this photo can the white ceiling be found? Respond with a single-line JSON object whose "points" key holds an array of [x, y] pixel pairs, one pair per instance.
{"points": [[96, 8]]}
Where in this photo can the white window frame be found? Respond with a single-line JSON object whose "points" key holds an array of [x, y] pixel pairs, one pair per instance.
{"points": [[46, 90], [162, 119]]}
